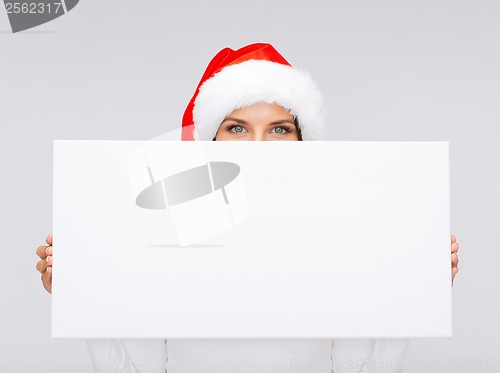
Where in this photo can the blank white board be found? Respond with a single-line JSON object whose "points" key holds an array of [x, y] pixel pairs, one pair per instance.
{"points": [[295, 240]]}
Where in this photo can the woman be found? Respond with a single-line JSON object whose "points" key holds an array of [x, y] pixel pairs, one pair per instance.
{"points": [[249, 94]]}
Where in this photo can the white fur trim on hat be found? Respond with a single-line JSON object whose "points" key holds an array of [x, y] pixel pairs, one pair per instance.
{"points": [[259, 81]]}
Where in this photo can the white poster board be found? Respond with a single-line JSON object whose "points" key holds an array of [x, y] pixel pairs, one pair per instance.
{"points": [[253, 240]]}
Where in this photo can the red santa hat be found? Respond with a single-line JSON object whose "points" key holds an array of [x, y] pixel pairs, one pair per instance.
{"points": [[256, 73]]}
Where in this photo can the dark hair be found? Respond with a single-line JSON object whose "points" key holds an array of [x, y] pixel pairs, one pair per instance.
{"points": [[299, 132], [295, 121]]}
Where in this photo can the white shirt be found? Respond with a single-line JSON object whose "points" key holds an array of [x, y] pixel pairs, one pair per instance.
{"points": [[247, 356]]}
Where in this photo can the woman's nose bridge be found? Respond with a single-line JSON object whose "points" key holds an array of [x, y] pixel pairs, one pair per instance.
{"points": [[258, 135]]}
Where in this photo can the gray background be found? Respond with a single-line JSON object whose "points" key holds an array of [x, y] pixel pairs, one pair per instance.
{"points": [[124, 70]]}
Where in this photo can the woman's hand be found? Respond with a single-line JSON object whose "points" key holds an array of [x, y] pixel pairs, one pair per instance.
{"points": [[454, 257], [44, 266]]}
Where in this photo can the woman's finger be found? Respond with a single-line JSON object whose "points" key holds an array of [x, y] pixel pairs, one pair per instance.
{"points": [[49, 261], [49, 250], [454, 272], [47, 279], [41, 251], [454, 260], [454, 247], [453, 238], [41, 266], [49, 239]]}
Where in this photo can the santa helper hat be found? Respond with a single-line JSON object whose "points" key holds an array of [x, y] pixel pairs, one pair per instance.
{"points": [[254, 74]]}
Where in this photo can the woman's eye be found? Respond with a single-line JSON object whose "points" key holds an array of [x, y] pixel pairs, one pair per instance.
{"points": [[280, 130], [236, 129]]}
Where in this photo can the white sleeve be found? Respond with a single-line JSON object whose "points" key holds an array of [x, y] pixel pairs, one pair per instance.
{"points": [[369, 355], [128, 355], [351, 355], [388, 355]]}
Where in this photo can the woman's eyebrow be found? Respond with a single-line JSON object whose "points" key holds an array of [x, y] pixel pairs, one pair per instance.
{"points": [[240, 121], [283, 121]]}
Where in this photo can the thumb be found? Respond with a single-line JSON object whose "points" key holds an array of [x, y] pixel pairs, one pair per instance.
{"points": [[47, 279]]}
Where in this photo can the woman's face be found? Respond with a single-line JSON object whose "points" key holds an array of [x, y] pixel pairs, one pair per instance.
{"points": [[266, 122]]}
